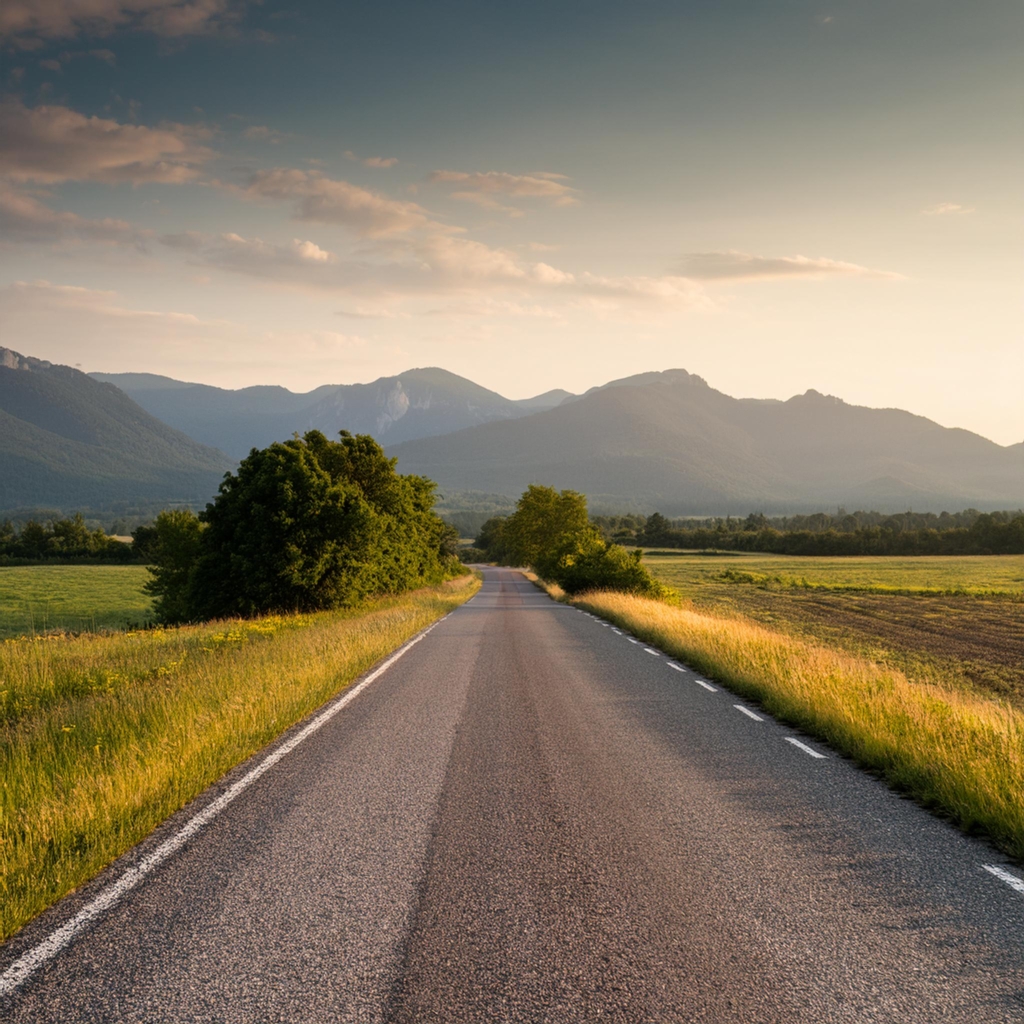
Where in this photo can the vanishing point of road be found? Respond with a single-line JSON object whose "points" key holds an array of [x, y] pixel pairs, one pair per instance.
{"points": [[530, 816]]}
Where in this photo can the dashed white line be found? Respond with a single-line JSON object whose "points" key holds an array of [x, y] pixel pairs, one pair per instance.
{"points": [[649, 650], [1004, 876], [803, 746], [748, 712], [31, 961], [709, 688], [619, 631], [631, 640], [678, 668]]}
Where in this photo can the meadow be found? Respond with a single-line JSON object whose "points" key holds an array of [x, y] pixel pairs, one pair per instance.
{"points": [[39, 599], [103, 736], [952, 621]]}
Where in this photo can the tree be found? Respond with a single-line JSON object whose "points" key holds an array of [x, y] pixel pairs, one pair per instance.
{"points": [[174, 543], [547, 527], [551, 532], [310, 524]]}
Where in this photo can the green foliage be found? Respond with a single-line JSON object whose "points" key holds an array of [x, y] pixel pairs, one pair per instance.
{"points": [[861, 533], [551, 532], [174, 545], [59, 540], [491, 539], [306, 525], [608, 567], [546, 528]]}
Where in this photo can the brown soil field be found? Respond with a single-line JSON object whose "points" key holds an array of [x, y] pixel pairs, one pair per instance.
{"points": [[975, 641]]}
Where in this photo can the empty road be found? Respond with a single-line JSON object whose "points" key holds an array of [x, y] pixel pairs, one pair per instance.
{"points": [[529, 816]]}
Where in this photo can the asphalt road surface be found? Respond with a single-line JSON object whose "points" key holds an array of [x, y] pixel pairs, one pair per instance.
{"points": [[531, 817]]}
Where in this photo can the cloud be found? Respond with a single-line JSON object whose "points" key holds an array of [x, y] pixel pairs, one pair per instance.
{"points": [[373, 161], [481, 188], [49, 144], [741, 266], [50, 65], [942, 209], [432, 266], [28, 24], [328, 201], [261, 133], [23, 218]]}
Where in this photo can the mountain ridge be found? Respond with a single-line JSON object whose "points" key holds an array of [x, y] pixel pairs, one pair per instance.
{"points": [[69, 441]]}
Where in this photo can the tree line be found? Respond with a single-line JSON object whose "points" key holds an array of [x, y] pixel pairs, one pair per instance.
{"points": [[988, 534], [62, 540]]}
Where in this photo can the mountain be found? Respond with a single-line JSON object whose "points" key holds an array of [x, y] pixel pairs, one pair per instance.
{"points": [[668, 441], [69, 442], [415, 404]]}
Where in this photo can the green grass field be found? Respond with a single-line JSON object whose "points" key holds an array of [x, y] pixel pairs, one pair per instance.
{"points": [[102, 736], [40, 599], [955, 621]]}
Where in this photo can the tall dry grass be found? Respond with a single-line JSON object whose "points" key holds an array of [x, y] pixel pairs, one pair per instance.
{"points": [[103, 737], [958, 754]]}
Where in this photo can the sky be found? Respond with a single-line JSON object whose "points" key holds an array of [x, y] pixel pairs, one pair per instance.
{"points": [[776, 195]]}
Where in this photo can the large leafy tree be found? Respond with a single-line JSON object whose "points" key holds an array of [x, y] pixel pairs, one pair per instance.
{"points": [[309, 524]]}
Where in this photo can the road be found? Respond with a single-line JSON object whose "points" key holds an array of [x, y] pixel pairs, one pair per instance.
{"points": [[531, 817]]}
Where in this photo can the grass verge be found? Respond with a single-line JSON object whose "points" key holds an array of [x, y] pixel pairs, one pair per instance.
{"points": [[103, 737], [957, 754]]}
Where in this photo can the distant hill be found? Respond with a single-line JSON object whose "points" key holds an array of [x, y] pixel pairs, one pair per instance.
{"points": [[69, 442], [418, 403], [668, 441]]}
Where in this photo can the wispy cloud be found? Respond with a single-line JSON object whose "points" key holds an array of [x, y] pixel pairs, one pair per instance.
{"points": [[28, 24], [741, 266], [326, 200], [24, 218], [944, 209], [436, 264], [482, 188], [383, 162], [50, 144]]}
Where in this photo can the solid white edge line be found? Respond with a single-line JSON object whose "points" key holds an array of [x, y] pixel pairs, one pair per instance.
{"points": [[707, 686], [748, 712], [649, 650], [32, 960], [1004, 876], [803, 746]]}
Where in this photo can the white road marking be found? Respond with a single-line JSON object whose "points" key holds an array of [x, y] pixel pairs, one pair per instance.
{"points": [[1004, 876], [650, 651], [619, 631], [631, 640], [803, 746], [678, 668], [748, 712], [31, 961], [707, 686]]}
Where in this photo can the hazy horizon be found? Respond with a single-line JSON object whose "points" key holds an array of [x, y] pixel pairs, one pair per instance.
{"points": [[777, 197]]}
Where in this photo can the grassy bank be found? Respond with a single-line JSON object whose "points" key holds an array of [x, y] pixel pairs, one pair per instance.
{"points": [[71, 598], [103, 737], [955, 753]]}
